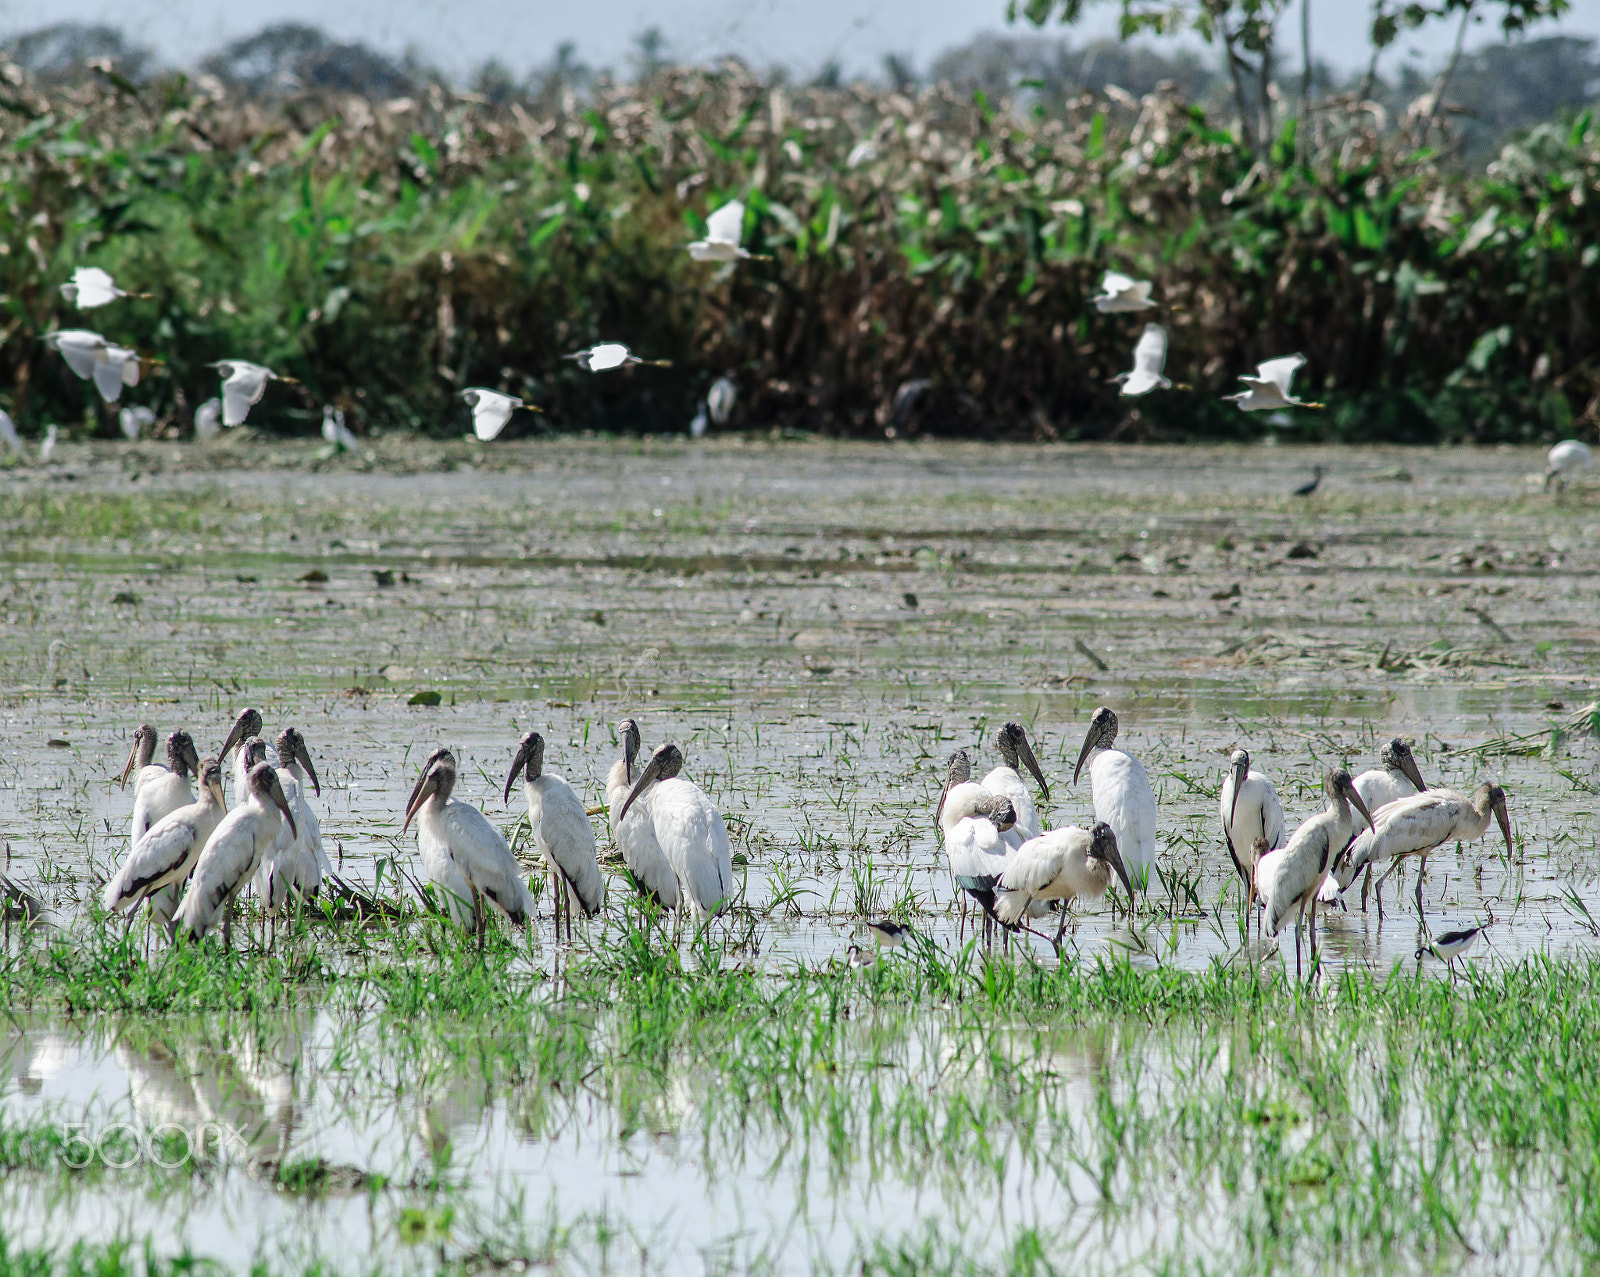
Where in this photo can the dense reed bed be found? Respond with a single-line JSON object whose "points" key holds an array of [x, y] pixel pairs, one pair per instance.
{"points": [[389, 253]]}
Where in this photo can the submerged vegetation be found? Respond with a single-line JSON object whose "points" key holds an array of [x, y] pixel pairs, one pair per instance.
{"points": [[932, 252]]}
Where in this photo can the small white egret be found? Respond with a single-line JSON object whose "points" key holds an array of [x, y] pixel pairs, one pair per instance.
{"points": [[1063, 865], [115, 367], [1122, 795], [721, 398], [1006, 780], [294, 866], [1269, 388], [1418, 825], [724, 230], [208, 420], [47, 449], [162, 858], [560, 827], [1395, 777], [1568, 459], [1120, 294], [91, 286], [1288, 879], [612, 354], [243, 384], [462, 853], [1250, 809], [335, 432], [1149, 358], [690, 830], [8, 433], [491, 410], [232, 854], [634, 835], [134, 421], [79, 347], [1449, 945]]}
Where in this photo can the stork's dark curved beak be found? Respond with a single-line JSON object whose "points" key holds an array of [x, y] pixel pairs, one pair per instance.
{"points": [[1025, 753], [1355, 801], [1114, 855], [424, 789], [245, 726], [1504, 820], [1408, 765], [651, 771], [303, 754], [1089, 742], [517, 764], [283, 804], [127, 768], [1241, 772]]}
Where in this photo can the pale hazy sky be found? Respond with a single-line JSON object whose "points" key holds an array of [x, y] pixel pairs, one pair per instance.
{"points": [[522, 33]]}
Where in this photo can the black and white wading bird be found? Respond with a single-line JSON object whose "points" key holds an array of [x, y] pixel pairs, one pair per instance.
{"points": [[1006, 780], [975, 844], [634, 835], [887, 934], [1063, 865], [1395, 777], [1122, 796], [1250, 810], [164, 856], [559, 824], [158, 792], [1447, 946], [232, 855], [689, 829], [462, 853], [295, 865]]}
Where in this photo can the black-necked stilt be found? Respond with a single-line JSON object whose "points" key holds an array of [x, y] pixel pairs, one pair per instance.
{"points": [[1450, 945], [891, 935], [860, 957]]}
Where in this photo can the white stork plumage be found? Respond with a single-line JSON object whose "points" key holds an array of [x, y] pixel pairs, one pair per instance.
{"points": [[1063, 865], [635, 836], [158, 789], [1395, 777], [975, 844], [1122, 796], [561, 831], [296, 863], [462, 853], [232, 854], [1417, 825], [164, 855], [1250, 809], [690, 830], [1288, 879]]}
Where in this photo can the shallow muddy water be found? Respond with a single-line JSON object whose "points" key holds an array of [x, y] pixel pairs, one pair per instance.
{"points": [[818, 626]]}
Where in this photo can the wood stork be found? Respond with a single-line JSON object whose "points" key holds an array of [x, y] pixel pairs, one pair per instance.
{"points": [[91, 286], [1395, 777], [1122, 796], [975, 844], [491, 410], [232, 854], [1417, 825], [635, 836], [559, 823], [159, 790], [724, 230], [243, 384], [295, 864], [1062, 865], [1568, 459], [1269, 388], [1449, 945], [1250, 809], [1149, 359], [1288, 879], [246, 726], [887, 933], [1006, 780], [462, 853], [166, 853], [690, 830], [612, 354], [1120, 294]]}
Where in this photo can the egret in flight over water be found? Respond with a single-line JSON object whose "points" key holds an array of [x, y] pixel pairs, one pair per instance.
{"points": [[491, 410], [612, 354], [243, 384], [90, 287], [1269, 388], [1121, 294], [1149, 358], [724, 230]]}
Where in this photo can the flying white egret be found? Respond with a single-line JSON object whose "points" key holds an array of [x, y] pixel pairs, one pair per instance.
{"points": [[163, 856], [79, 347], [208, 420], [1288, 879], [612, 354], [1416, 826], [335, 432], [635, 836], [295, 863], [1250, 809], [115, 367], [1269, 388], [1149, 358], [491, 410], [690, 830], [8, 433], [134, 421], [561, 831], [47, 449], [232, 854], [724, 230], [1568, 459], [1449, 945], [462, 853], [243, 384], [1395, 777], [1122, 796], [976, 846], [1006, 780], [1120, 294], [721, 398], [91, 286], [1063, 865]]}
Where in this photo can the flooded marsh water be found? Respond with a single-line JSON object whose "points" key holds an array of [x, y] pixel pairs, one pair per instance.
{"points": [[817, 626]]}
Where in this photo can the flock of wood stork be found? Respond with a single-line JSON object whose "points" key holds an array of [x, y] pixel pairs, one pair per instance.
{"points": [[190, 857]]}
